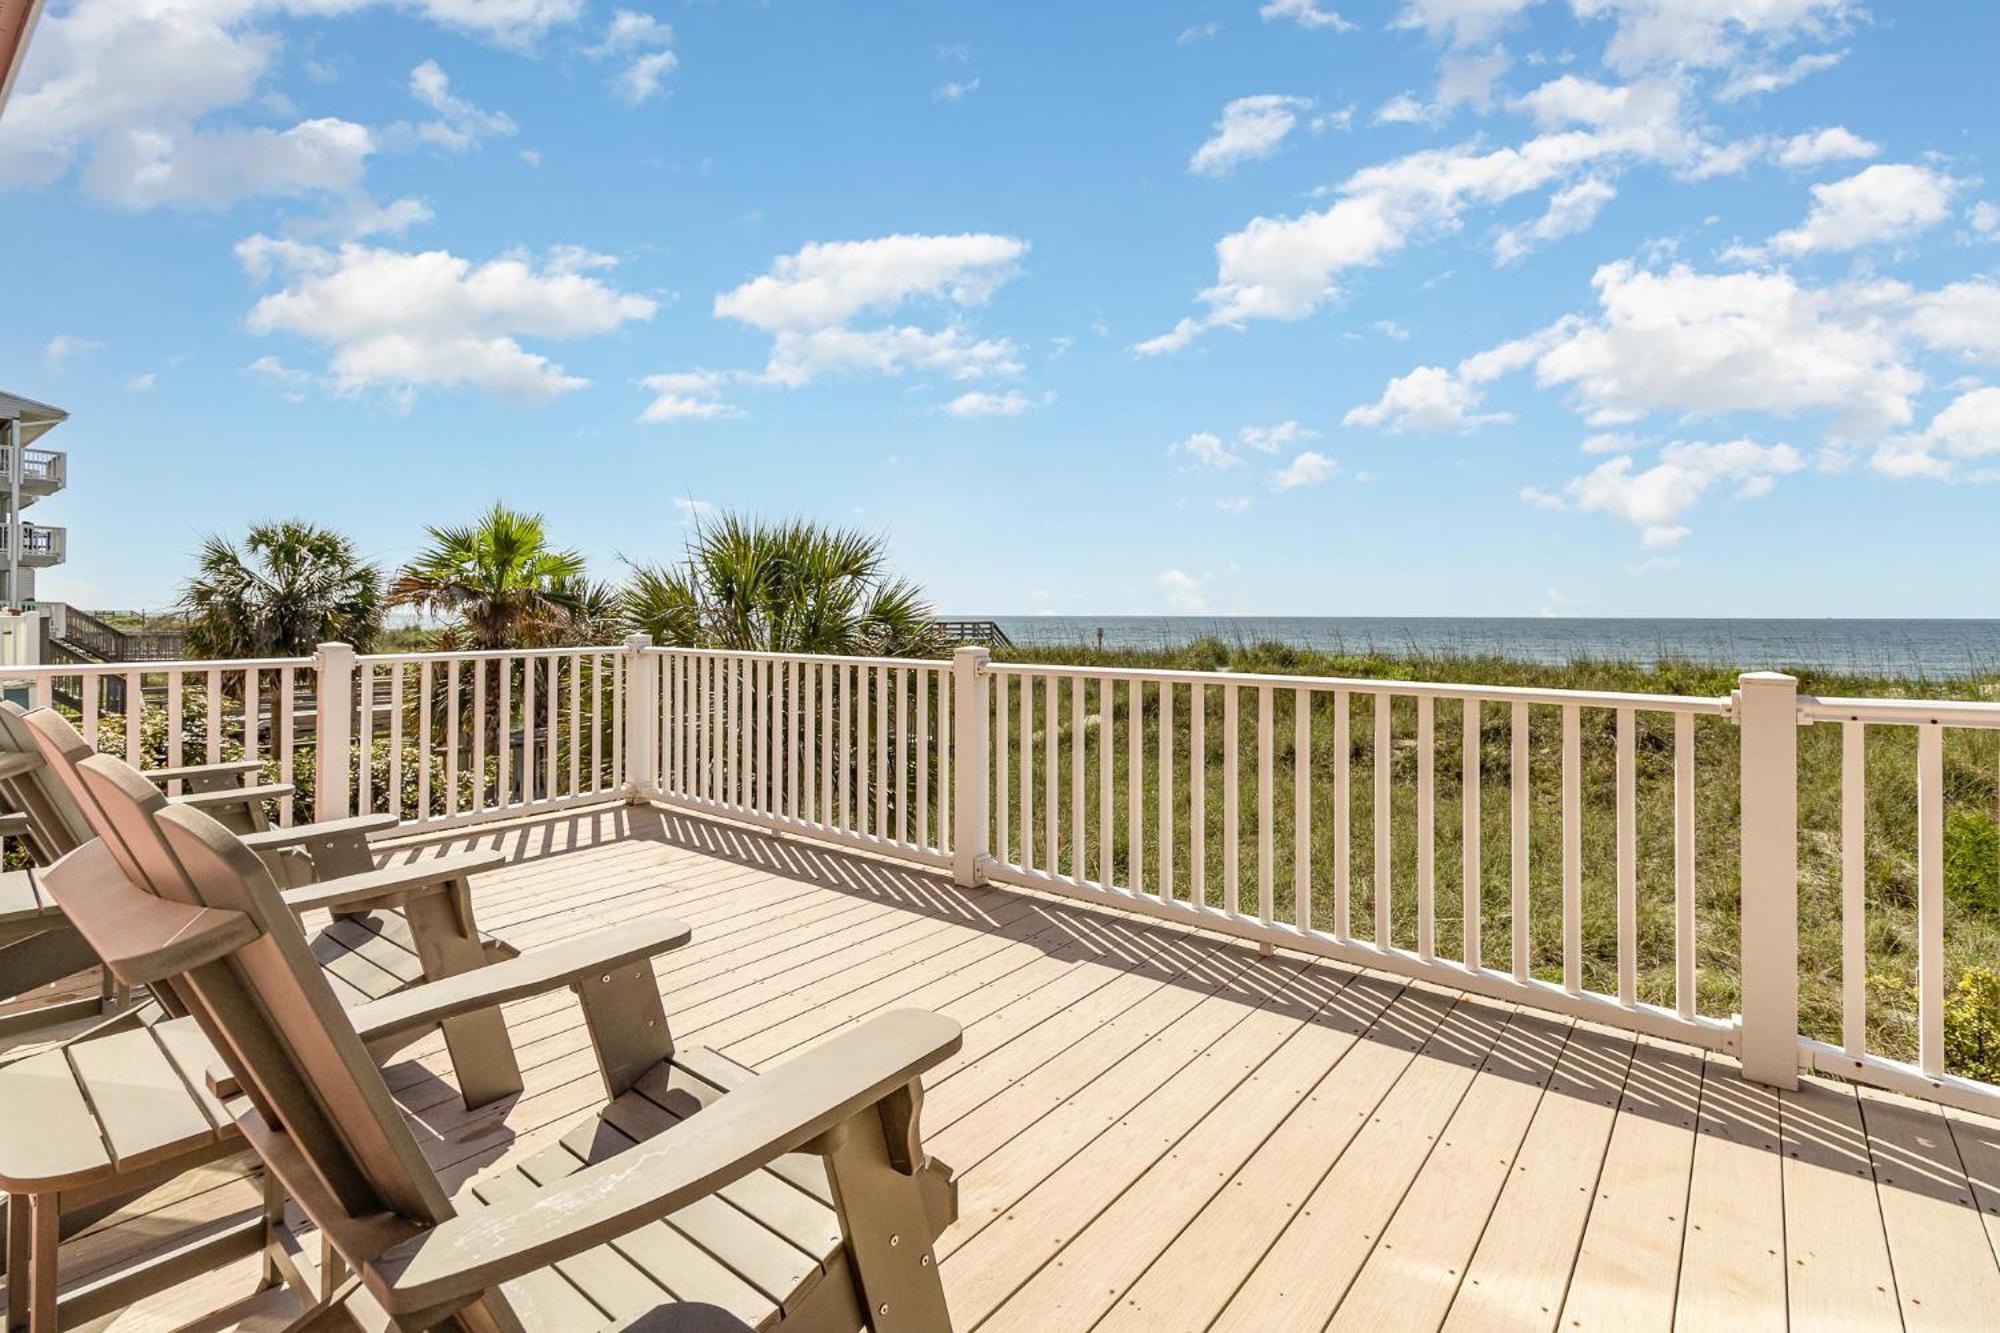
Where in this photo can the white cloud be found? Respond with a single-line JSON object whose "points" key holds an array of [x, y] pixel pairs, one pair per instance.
{"points": [[1250, 128], [807, 300], [1183, 592], [1405, 109], [1756, 80], [1199, 32], [460, 124], [1834, 144], [1305, 13], [1655, 499], [829, 283], [1962, 317], [1984, 218], [1652, 34], [643, 46], [1271, 439], [59, 349], [143, 383], [800, 356], [1430, 400], [1235, 504], [1886, 202], [977, 404], [400, 321], [1461, 22], [212, 170], [687, 395], [1285, 268], [1704, 344], [1571, 209], [1308, 469], [695, 511], [1966, 431], [1206, 449], [956, 90], [123, 92]]}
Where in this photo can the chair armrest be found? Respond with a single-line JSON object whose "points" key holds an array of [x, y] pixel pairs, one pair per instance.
{"points": [[13, 825], [354, 827], [263, 791], [780, 1112], [391, 884], [229, 767], [17, 762], [535, 972]]}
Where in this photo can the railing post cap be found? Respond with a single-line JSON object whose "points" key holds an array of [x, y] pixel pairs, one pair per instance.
{"points": [[638, 640], [971, 652], [1767, 679], [334, 648]]}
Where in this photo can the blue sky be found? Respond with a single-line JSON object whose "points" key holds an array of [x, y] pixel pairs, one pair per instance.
{"points": [[1590, 307]]}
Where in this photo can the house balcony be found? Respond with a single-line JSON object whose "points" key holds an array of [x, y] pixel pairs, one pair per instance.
{"points": [[43, 472], [1184, 1100], [40, 546]]}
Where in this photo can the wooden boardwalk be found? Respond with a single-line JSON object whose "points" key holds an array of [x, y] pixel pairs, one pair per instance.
{"points": [[1159, 1130]]}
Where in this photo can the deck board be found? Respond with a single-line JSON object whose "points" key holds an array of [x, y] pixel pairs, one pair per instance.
{"points": [[1160, 1129]]}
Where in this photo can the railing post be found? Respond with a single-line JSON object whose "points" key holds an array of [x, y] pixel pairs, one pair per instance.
{"points": [[333, 731], [1767, 719], [642, 718], [971, 739]]}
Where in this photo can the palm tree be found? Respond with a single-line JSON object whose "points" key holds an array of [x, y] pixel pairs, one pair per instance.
{"points": [[794, 587], [500, 581], [289, 587]]}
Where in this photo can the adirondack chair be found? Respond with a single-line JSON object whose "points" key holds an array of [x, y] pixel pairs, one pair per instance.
{"points": [[648, 1206], [393, 927], [36, 946], [128, 1086]]}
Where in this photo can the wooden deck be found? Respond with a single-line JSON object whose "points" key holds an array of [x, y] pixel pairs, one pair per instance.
{"points": [[1159, 1130]]}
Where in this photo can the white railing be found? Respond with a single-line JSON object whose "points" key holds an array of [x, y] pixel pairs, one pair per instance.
{"points": [[854, 750], [1312, 813], [1916, 752], [1630, 859], [453, 738]]}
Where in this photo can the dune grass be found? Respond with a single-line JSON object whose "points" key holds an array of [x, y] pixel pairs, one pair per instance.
{"points": [[1972, 838]]}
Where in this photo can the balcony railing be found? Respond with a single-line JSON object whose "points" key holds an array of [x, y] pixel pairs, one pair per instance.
{"points": [[1631, 859], [39, 545], [42, 470]]}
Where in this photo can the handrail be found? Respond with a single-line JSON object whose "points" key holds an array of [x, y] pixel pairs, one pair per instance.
{"points": [[1275, 808], [1700, 705]]}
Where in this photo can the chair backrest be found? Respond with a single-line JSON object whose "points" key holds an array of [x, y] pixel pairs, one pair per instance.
{"points": [[63, 748], [55, 825], [324, 1120]]}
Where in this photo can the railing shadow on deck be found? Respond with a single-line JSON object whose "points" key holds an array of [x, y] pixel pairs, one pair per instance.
{"points": [[1656, 1080]]}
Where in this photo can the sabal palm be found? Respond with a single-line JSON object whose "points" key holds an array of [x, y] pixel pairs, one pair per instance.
{"points": [[289, 587], [792, 586], [500, 579]]}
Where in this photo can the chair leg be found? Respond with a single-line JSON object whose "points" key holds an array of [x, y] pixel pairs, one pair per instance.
{"points": [[46, 1223], [874, 1165], [20, 1240], [482, 1054], [627, 1024]]}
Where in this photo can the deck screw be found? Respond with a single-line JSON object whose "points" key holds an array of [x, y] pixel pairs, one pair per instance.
{"points": [[884, 1309], [924, 1262], [895, 1240]]}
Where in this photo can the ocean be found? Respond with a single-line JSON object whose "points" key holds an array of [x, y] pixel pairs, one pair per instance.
{"points": [[1904, 647]]}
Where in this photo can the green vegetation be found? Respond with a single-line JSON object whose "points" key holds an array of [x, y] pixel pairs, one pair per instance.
{"points": [[287, 588], [1972, 840], [792, 587], [504, 585]]}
